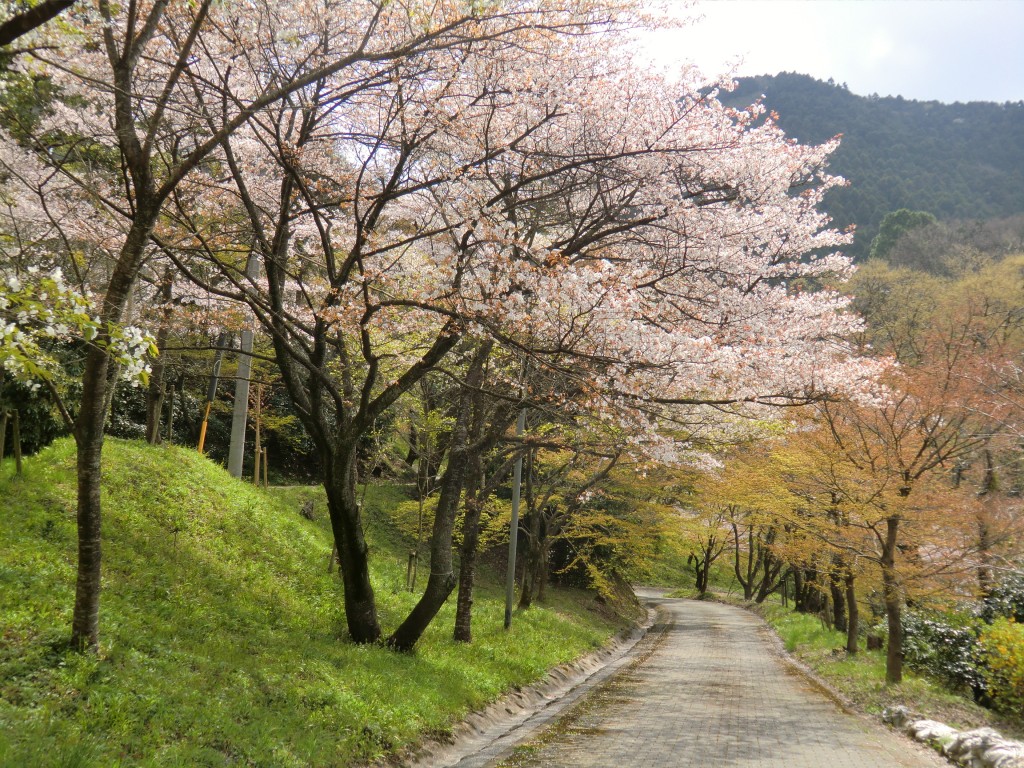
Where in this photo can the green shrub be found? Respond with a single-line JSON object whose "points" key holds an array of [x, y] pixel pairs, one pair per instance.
{"points": [[945, 645], [1006, 599], [1002, 645]]}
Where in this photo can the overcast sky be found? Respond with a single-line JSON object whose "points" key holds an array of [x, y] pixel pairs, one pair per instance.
{"points": [[947, 50]]}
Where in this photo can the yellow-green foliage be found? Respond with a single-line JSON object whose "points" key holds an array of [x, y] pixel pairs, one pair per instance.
{"points": [[413, 518], [222, 634], [1003, 647]]}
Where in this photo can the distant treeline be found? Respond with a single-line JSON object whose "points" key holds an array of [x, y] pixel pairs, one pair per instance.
{"points": [[960, 162]]}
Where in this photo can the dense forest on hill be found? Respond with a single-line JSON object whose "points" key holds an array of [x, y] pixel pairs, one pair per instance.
{"points": [[956, 161]]}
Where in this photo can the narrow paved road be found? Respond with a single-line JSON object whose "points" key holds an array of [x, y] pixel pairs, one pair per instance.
{"points": [[708, 689]]}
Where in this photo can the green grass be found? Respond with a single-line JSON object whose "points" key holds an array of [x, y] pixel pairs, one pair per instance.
{"points": [[223, 639], [861, 678], [722, 583]]}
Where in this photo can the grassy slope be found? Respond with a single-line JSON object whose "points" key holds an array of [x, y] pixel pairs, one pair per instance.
{"points": [[221, 630]]}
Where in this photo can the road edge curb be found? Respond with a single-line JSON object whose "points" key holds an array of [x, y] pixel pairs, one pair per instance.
{"points": [[504, 716]]}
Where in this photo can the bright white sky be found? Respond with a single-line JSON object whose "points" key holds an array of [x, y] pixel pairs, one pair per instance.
{"points": [[946, 50]]}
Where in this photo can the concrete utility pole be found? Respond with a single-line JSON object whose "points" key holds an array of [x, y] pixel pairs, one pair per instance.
{"points": [[513, 536], [240, 412]]}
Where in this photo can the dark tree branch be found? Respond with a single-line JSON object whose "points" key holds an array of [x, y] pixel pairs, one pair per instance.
{"points": [[22, 23]]}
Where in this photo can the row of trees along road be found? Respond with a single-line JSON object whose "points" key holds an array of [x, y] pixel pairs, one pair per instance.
{"points": [[394, 189], [916, 493]]}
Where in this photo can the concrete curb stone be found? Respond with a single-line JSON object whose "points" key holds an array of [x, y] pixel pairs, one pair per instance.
{"points": [[489, 732]]}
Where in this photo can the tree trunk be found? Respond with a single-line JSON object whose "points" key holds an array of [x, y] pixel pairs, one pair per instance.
{"points": [[810, 596], [155, 391], [542, 569], [89, 441], [441, 581], [475, 498], [531, 569], [838, 600], [747, 582], [985, 579], [170, 415], [893, 604], [467, 572], [97, 387], [16, 440], [471, 532], [985, 540], [3, 433], [155, 405], [853, 613], [346, 523], [770, 576], [257, 451], [753, 563]]}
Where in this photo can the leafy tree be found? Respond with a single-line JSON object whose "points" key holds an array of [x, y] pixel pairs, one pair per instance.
{"points": [[751, 496], [1002, 648], [894, 226], [411, 196], [152, 69]]}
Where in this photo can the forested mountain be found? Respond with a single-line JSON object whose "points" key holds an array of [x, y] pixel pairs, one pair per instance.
{"points": [[956, 161]]}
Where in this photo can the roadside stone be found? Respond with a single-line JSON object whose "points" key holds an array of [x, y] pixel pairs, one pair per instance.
{"points": [[932, 732], [975, 748], [1003, 753]]}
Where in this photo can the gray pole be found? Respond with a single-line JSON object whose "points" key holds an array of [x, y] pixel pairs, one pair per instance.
{"points": [[240, 412], [513, 536]]}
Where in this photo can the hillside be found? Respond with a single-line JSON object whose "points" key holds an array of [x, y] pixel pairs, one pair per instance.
{"points": [[956, 161], [221, 630]]}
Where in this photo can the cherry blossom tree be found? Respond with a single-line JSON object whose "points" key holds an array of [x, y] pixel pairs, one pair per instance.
{"points": [[532, 189], [148, 94], [423, 182], [39, 310]]}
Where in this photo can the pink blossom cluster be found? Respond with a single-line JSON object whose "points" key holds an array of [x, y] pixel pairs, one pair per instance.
{"points": [[508, 174]]}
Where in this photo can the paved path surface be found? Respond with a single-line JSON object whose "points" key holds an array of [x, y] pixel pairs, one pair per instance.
{"points": [[707, 688]]}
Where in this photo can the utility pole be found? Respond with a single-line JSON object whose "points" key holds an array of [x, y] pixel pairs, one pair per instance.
{"points": [[258, 450], [513, 536], [240, 412]]}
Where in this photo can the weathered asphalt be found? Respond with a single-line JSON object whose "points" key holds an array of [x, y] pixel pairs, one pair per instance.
{"points": [[707, 688]]}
